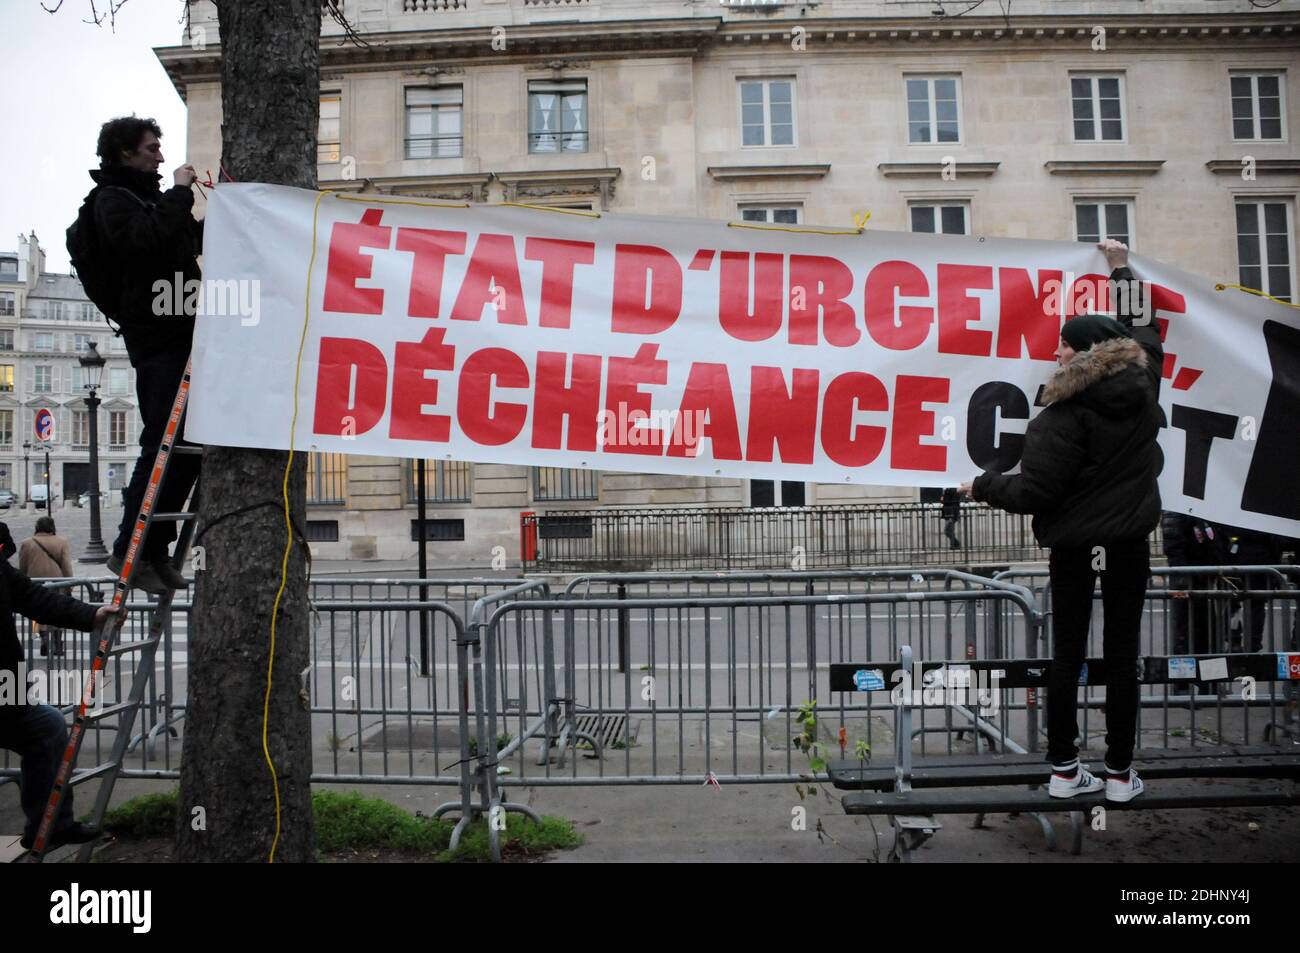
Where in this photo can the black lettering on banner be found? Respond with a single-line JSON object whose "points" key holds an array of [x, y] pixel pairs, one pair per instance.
{"points": [[1270, 482], [1202, 427], [988, 449]]}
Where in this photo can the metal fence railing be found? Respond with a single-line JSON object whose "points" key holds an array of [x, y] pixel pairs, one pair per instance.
{"points": [[482, 685], [748, 538]]}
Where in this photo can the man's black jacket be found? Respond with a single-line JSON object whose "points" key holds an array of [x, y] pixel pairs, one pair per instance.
{"points": [[20, 594], [148, 235], [1090, 460]]}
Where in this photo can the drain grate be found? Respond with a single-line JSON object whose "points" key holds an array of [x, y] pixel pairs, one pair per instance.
{"points": [[607, 729]]}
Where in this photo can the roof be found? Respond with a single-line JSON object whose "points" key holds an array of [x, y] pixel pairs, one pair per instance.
{"points": [[59, 286]]}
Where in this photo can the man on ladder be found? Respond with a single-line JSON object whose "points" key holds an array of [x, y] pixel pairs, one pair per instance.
{"points": [[144, 242]]}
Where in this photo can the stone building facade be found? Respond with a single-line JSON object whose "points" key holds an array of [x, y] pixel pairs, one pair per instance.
{"points": [[46, 324], [1165, 123]]}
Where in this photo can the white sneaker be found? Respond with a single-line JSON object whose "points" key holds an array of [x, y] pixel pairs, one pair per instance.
{"points": [[1083, 782], [1117, 790]]}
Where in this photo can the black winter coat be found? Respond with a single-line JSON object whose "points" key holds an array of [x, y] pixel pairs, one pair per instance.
{"points": [[150, 236], [1090, 459], [20, 594]]}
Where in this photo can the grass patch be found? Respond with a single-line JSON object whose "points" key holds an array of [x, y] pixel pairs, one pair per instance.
{"points": [[351, 822], [150, 815]]}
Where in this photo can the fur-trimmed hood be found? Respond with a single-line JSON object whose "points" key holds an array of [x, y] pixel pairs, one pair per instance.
{"points": [[1113, 373]]}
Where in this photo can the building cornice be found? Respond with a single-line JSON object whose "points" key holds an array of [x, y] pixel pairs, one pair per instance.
{"points": [[692, 36], [1104, 166], [559, 183], [1260, 166], [935, 170], [734, 173], [466, 187]]}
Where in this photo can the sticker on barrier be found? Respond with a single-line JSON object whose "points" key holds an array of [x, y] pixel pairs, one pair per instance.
{"points": [[1288, 665], [869, 680]]}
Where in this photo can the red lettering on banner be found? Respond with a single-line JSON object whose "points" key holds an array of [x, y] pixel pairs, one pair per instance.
{"points": [[430, 246], [630, 313], [1025, 315], [747, 319], [480, 421], [957, 309], [707, 395], [1166, 299], [912, 422], [848, 444], [346, 265], [342, 408], [819, 283], [492, 278], [623, 392], [557, 396], [558, 257], [1088, 294], [897, 327], [412, 390], [780, 418]]}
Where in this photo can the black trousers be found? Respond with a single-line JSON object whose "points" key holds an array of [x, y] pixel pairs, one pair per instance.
{"points": [[157, 378], [1125, 566]]}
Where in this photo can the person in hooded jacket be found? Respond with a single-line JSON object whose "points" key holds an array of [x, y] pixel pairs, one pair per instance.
{"points": [[1088, 476], [152, 239]]}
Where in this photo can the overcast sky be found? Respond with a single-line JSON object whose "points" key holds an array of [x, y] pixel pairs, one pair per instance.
{"points": [[62, 78]]}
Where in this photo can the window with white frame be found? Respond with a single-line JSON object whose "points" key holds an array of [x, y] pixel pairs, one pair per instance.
{"points": [[1095, 219], [944, 218], [433, 122], [1258, 105], [81, 342], [557, 115], [117, 428], [81, 428], [54, 311], [7, 378], [6, 428], [43, 341], [42, 380], [1097, 102], [7, 303], [772, 214], [118, 382], [933, 109], [328, 143], [1264, 256], [767, 112], [6, 339]]}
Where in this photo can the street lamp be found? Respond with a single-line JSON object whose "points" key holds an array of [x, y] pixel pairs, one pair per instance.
{"points": [[27, 466], [93, 362]]}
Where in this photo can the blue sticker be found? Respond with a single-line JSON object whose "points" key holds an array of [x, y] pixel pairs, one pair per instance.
{"points": [[1182, 667], [869, 680], [1083, 674]]}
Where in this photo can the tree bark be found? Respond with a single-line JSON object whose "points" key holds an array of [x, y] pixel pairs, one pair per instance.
{"points": [[270, 86]]}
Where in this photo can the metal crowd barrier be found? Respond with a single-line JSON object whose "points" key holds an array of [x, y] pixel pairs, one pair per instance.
{"points": [[714, 690]]}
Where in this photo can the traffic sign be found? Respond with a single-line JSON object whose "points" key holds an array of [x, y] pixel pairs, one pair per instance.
{"points": [[44, 424]]}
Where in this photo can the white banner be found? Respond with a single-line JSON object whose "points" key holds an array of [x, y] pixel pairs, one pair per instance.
{"points": [[610, 341]]}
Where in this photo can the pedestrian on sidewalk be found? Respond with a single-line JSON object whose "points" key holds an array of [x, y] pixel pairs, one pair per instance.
{"points": [[1088, 476], [46, 555]]}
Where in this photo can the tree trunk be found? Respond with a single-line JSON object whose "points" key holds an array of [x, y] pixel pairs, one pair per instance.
{"points": [[270, 86]]}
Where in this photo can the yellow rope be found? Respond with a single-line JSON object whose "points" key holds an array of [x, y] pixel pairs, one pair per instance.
{"points": [[787, 228], [585, 213], [1255, 291], [369, 199], [288, 529]]}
